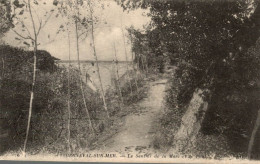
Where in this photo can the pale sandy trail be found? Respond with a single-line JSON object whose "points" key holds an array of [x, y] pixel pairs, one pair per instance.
{"points": [[136, 135]]}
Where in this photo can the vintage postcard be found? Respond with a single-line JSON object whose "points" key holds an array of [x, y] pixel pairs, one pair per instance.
{"points": [[155, 81]]}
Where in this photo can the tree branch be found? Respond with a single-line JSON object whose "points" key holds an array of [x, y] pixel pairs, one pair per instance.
{"points": [[40, 27], [83, 33], [43, 25], [27, 38], [26, 28]]}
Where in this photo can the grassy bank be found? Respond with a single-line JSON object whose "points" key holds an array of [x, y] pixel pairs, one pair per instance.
{"points": [[53, 128]]}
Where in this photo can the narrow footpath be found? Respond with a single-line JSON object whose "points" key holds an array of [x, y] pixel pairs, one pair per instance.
{"points": [[136, 135]]}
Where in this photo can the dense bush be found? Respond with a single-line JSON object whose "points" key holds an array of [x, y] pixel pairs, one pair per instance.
{"points": [[50, 110], [235, 103], [49, 124], [15, 60]]}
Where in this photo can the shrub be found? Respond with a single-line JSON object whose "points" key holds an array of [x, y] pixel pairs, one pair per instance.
{"points": [[50, 114], [235, 101]]}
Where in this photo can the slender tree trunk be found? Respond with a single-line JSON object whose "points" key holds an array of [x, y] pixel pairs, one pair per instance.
{"points": [[31, 97], [135, 71], [146, 65], [253, 136], [143, 65], [137, 58], [80, 78], [69, 111], [126, 58], [96, 59], [117, 76], [3, 66], [33, 80]]}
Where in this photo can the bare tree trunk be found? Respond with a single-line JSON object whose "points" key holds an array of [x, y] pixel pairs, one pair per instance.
{"points": [[69, 111], [33, 80], [142, 60], [135, 71], [3, 66], [126, 58], [117, 76], [146, 65], [137, 58], [80, 79], [31, 97], [96, 59], [253, 136]]}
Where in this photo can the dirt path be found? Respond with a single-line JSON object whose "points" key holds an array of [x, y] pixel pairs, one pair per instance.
{"points": [[136, 135]]}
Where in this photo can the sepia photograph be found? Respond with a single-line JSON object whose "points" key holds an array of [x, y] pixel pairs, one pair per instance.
{"points": [[150, 81]]}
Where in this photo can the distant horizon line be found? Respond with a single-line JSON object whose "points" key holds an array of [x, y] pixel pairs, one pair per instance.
{"points": [[89, 61]]}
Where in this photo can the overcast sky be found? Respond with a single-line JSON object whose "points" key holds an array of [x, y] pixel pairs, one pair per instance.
{"points": [[105, 34]]}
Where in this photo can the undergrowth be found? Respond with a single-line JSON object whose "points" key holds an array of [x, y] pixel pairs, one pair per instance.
{"points": [[49, 124], [170, 120]]}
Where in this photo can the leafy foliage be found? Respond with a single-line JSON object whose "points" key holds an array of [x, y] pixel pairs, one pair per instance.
{"points": [[50, 106], [17, 61], [5, 18], [49, 118], [209, 42]]}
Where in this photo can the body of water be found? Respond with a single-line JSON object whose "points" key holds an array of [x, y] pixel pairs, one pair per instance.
{"points": [[107, 71]]}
